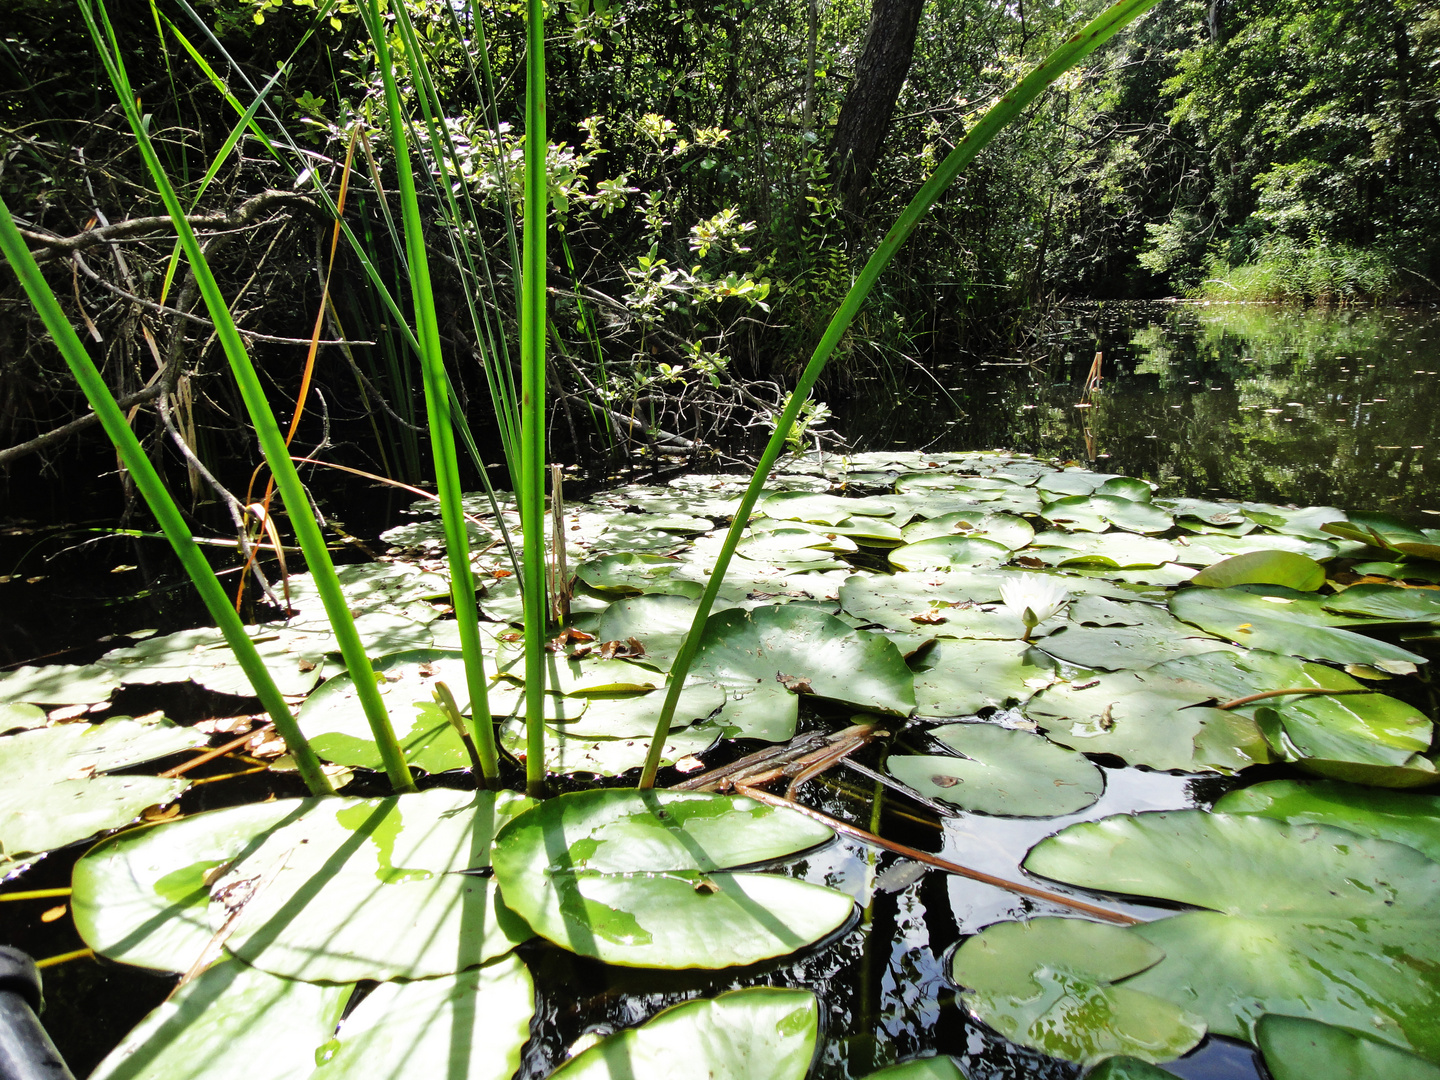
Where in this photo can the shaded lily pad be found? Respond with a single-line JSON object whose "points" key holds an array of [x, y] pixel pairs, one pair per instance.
{"points": [[1387, 602], [296, 659], [1047, 984], [1277, 619], [760, 1031], [1299, 1049], [1002, 772], [939, 1067], [53, 791], [634, 878], [957, 678], [742, 650], [1307, 919], [1124, 1067]]}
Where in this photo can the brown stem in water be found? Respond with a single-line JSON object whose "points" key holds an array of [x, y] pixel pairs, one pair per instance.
{"points": [[1306, 691]]}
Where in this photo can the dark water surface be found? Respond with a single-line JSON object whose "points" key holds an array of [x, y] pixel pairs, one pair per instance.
{"points": [[1246, 401]]}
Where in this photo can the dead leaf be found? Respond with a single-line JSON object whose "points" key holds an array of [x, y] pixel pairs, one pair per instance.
{"points": [[52, 914], [798, 683], [929, 618]]}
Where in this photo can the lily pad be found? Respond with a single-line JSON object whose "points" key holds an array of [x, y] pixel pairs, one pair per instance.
{"points": [[1286, 568], [53, 791], [659, 623], [635, 878], [1388, 602], [742, 650], [58, 684], [1002, 772], [1275, 619], [1047, 984], [631, 716], [1299, 1049], [328, 890], [1413, 820], [632, 573], [1096, 513], [1149, 636], [1119, 550], [1006, 530], [957, 678], [939, 1067], [296, 659], [760, 1031], [230, 1023], [1211, 548], [943, 552], [19, 716], [1307, 919], [573, 753]]}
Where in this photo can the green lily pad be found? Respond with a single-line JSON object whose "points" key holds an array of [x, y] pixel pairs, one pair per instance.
{"points": [[344, 889], [821, 509], [1151, 635], [957, 678], [1288, 568], [296, 659], [570, 753], [631, 716], [1412, 820], [1212, 548], [1382, 531], [1205, 512], [943, 552], [1299, 1049], [767, 712], [58, 684], [1154, 717], [19, 716], [1308, 521], [659, 623], [51, 790], [472, 1024], [742, 650], [1275, 619], [230, 1023], [1073, 482], [1366, 728], [1002, 772], [1307, 919], [1119, 550], [1047, 984], [1389, 602], [929, 1068], [761, 1031], [1096, 513], [1006, 530], [634, 878]]}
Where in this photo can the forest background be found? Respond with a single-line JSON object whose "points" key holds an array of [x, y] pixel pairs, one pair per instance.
{"points": [[718, 174]]}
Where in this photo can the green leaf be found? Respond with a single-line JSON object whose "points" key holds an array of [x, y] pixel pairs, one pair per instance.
{"points": [[740, 1035], [1413, 820], [633, 878], [58, 684], [1119, 550], [743, 650], [230, 1023], [338, 889], [958, 678], [473, 1024], [294, 658], [1307, 919], [943, 552], [1276, 619], [1211, 548], [1123, 1067], [586, 754], [51, 795], [1131, 636], [1006, 530], [659, 623], [1389, 602], [1299, 1049], [18, 716], [939, 1067], [1002, 772], [1046, 984], [633, 716], [1286, 568]]}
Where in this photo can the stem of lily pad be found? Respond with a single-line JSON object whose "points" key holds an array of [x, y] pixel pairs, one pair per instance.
{"points": [[1307, 691]]}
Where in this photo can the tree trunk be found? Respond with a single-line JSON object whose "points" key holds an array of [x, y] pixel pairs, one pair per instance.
{"points": [[879, 74]]}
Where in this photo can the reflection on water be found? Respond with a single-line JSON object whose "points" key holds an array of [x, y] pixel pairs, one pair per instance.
{"points": [[1244, 401]]}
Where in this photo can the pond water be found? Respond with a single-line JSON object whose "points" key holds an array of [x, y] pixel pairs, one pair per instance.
{"points": [[1313, 408], [1335, 407]]}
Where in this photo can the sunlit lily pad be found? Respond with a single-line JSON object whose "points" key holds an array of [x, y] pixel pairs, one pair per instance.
{"points": [[1387, 602], [1106, 549], [1048, 984], [957, 678], [296, 659], [58, 684], [1148, 635], [1307, 919], [1097, 513], [53, 791], [740, 1035], [741, 650], [1287, 568], [1306, 521], [1299, 1049], [567, 753], [821, 509], [635, 878], [230, 1023], [1002, 772], [1203, 550], [632, 573], [1279, 620], [943, 552], [630, 716], [1006, 530], [19, 716], [327, 890]]}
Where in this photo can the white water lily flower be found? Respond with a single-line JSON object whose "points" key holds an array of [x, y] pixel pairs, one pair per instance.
{"points": [[1033, 598]]}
